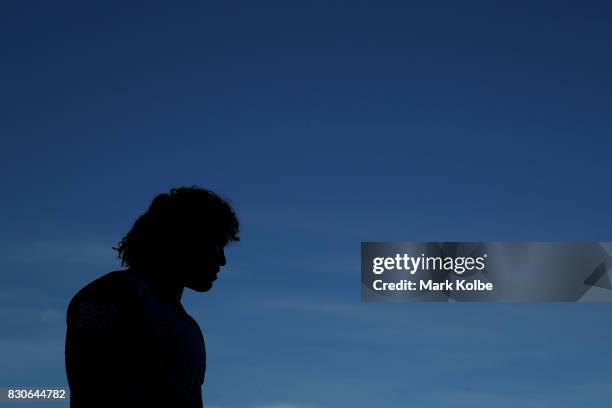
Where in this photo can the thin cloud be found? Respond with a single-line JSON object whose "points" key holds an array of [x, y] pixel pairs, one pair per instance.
{"points": [[65, 252], [528, 396]]}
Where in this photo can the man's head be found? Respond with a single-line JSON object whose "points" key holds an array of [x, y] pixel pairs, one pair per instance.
{"points": [[182, 234]]}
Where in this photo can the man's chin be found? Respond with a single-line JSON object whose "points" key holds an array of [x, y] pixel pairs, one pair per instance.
{"points": [[201, 287]]}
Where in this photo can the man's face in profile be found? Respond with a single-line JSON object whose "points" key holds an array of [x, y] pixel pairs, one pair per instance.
{"points": [[201, 262]]}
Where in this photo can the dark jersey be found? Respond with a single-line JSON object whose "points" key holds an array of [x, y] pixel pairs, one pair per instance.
{"points": [[125, 347]]}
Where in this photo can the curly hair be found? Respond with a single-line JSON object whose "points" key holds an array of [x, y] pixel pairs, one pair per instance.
{"points": [[183, 218]]}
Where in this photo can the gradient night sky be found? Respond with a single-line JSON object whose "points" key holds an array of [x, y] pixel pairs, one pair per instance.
{"points": [[326, 124]]}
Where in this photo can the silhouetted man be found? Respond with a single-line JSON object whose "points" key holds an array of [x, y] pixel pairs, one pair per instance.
{"points": [[129, 342]]}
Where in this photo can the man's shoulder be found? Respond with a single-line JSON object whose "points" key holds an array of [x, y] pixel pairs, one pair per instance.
{"points": [[105, 299], [114, 286]]}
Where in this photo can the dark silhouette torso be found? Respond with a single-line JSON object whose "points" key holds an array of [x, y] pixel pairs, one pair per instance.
{"points": [[125, 347]]}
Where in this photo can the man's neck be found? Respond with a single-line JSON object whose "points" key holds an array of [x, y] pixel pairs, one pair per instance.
{"points": [[165, 289]]}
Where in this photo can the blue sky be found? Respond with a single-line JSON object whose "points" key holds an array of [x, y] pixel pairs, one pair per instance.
{"points": [[325, 124]]}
